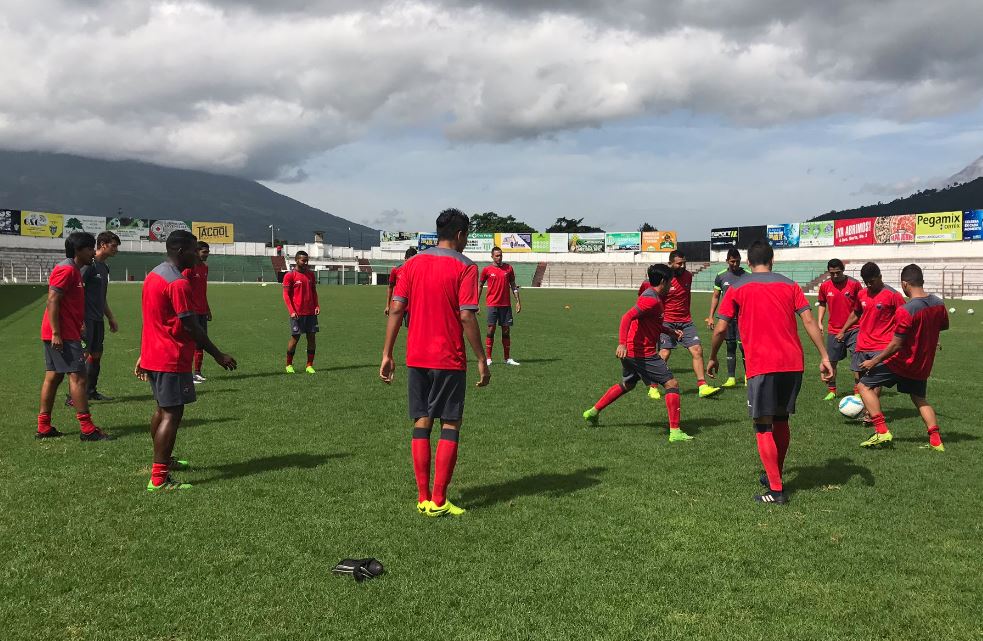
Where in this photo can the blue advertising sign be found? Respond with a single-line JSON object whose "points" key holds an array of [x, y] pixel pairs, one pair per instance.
{"points": [[973, 224]]}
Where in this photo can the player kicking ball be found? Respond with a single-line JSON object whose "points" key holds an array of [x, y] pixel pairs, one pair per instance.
{"points": [[501, 281], [638, 349], [907, 360], [300, 296]]}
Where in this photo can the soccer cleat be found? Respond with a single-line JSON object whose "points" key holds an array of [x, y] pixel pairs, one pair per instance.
{"points": [[591, 416], [707, 390], [198, 378], [96, 435], [830, 397], [178, 464], [168, 485], [290, 369], [447, 509], [422, 506], [310, 369], [96, 396], [928, 446], [878, 440], [771, 496], [730, 382], [488, 361], [654, 393], [52, 433], [512, 361], [676, 436]]}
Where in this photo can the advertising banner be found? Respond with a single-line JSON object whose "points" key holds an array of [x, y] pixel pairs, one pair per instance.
{"points": [[558, 243], [129, 228], [214, 233], [659, 241], [972, 224], [161, 229], [10, 221], [480, 242], [784, 235], [514, 242], [816, 234], [854, 231], [586, 242], [722, 238], [397, 240], [939, 227], [623, 241], [891, 230], [41, 224], [95, 225], [541, 243], [426, 240]]}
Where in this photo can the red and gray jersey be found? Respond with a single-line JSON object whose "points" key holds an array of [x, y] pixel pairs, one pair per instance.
{"points": [[677, 298], [165, 346], [918, 323], [877, 318], [641, 326]]}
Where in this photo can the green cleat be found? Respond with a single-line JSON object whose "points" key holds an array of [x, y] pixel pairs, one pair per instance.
{"points": [[654, 393], [180, 465], [591, 417], [290, 369], [447, 509], [707, 390], [310, 369], [168, 486], [830, 397], [730, 382], [677, 435], [422, 506], [878, 440], [938, 448]]}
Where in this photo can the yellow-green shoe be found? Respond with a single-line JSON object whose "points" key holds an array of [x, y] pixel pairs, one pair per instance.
{"points": [[878, 440], [830, 397], [654, 393], [938, 448], [310, 370], [422, 506], [290, 369], [677, 435], [730, 382], [168, 486], [447, 509], [591, 417], [708, 390]]}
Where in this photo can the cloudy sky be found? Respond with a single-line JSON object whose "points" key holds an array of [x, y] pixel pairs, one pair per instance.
{"points": [[687, 114]]}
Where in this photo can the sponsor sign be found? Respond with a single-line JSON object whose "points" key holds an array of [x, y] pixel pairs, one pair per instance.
{"points": [[972, 224], [723, 238], [939, 227], [10, 221], [426, 240], [214, 233], [95, 225], [558, 243], [161, 229], [480, 242], [129, 228], [586, 243], [514, 242], [623, 242], [816, 234], [659, 241], [854, 231], [398, 240], [541, 243], [891, 230], [784, 235], [41, 224]]}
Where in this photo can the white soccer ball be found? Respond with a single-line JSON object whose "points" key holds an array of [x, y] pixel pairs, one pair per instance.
{"points": [[970, 311], [952, 310], [817, 303], [265, 284], [851, 406]]}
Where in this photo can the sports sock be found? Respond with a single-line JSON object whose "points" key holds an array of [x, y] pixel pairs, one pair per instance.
{"points": [[507, 346], [290, 358], [701, 382], [420, 447], [768, 451], [158, 474], [856, 390], [44, 423], [731, 359], [199, 358], [310, 358], [85, 422], [489, 344], [880, 423], [444, 463], [831, 388], [614, 393], [782, 438], [92, 374], [672, 407], [934, 438]]}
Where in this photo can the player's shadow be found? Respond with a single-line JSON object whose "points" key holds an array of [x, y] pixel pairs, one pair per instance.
{"points": [[539, 360], [144, 428], [947, 437], [17, 298], [690, 426], [835, 471], [149, 397], [554, 485], [341, 368], [266, 464]]}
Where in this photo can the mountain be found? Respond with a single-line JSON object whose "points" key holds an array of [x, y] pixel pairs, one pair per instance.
{"points": [[956, 198], [68, 184], [973, 171]]}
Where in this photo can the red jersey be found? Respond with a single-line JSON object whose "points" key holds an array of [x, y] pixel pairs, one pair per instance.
{"points": [[645, 285], [839, 301], [918, 323], [766, 306], [165, 346], [198, 277], [677, 299], [300, 292], [436, 286], [641, 326], [394, 275], [877, 318], [66, 278], [501, 281]]}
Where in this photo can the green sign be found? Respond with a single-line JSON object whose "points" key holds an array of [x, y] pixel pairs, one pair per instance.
{"points": [[541, 243]]}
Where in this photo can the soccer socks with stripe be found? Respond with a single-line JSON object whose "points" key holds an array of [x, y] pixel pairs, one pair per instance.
{"points": [[614, 393], [489, 344], [768, 452], [672, 407], [731, 359], [782, 438], [199, 358], [290, 358], [880, 423], [507, 346], [310, 358], [934, 438], [444, 463], [44, 423], [158, 474], [420, 447], [85, 422]]}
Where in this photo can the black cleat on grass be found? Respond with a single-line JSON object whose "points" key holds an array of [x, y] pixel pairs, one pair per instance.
{"points": [[96, 396], [96, 435], [771, 496], [359, 569], [52, 433]]}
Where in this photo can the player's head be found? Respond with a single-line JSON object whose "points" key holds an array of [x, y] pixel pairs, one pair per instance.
{"points": [[182, 248], [452, 227], [107, 244], [80, 245], [760, 254], [203, 251], [912, 276], [496, 255], [871, 275], [410, 253], [301, 258], [659, 277], [677, 261], [836, 268], [733, 259]]}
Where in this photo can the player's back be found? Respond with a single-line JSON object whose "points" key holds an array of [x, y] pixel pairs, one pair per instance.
{"points": [[646, 329], [919, 323]]}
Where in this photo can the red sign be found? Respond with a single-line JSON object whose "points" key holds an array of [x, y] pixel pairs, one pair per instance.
{"points": [[854, 231]]}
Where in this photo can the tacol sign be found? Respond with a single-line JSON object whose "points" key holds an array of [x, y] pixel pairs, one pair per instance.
{"points": [[221, 233], [939, 227]]}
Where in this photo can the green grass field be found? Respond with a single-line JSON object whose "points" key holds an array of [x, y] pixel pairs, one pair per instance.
{"points": [[572, 533]]}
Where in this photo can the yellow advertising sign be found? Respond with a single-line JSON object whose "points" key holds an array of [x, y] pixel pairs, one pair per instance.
{"points": [[41, 224], [939, 227], [221, 233], [658, 241]]}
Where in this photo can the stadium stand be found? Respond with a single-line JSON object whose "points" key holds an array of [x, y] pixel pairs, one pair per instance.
{"points": [[602, 275], [948, 278], [27, 265]]}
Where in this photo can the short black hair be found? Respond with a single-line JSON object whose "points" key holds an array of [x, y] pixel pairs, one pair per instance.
{"points": [[870, 270], [496, 248], [676, 253], [107, 238], [450, 223], [760, 253], [78, 240], [410, 253], [658, 273], [912, 274], [180, 239], [202, 245], [733, 253], [835, 263], [299, 254]]}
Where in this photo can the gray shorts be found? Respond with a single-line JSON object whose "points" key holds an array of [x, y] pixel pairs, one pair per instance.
{"points": [[668, 339], [860, 357], [500, 316], [172, 389], [882, 376], [94, 338], [651, 371], [773, 394], [436, 393], [733, 333], [69, 360], [837, 350], [303, 325], [203, 323]]}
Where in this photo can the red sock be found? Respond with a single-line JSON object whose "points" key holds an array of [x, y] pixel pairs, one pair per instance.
{"points": [[782, 438], [199, 357], [85, 422], [158, 474], [290, 358], [832, 388], [443, 468], [768, 451], [44, 423], [489, 344], [310, 359], [934, 438], [614, 393], [880, 424], [701, 382], [420, 447], [507, 346], [672, 407], [856, 389], [88, 359]]}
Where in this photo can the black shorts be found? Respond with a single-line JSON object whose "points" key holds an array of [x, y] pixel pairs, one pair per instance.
{"points": [[882, 376], [303, 325], [837, 349], [94, 338], [500, 316], [860, 357], [773, 394], [733, 333], [69, 360], [651, 371], [436, 393], [668, 339], [203, 323], [171, 389]]}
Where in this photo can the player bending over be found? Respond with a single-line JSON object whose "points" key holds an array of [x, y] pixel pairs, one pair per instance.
{"points": [[839, 295], [725, 278], [300, 296], [501, 280]]}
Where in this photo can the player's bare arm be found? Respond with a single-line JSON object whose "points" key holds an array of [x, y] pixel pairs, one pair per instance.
{"points": [[518, 303], [822, 317], [469, 323], [113, 325], [816, 336], [139, 372], [54, 318], [719, 334], [714, 301], [892, 348], [851, 320], [199, 336], [387, 369]]}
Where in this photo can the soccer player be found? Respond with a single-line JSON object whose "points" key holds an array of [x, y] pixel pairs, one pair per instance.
{"points": [[765, 305], [167, 344], [678, 317], [198, 277], [439, 287], [907, 360], [839, 295], [95, 279], [638, 349], [724, 279], [300, 295], [501, 280], [393, 277], [61, 334]]}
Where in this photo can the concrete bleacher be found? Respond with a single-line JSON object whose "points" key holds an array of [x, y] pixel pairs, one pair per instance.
{"points": [[27, 265], [602, 275], [948, 278]]}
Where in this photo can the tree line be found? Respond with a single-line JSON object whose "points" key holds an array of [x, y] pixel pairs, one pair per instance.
{"points": [[490, 222]]}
